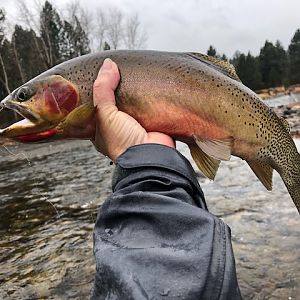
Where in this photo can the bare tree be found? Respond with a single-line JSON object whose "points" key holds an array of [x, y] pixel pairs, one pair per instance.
{"points": [[134, 36], [85, 17], [4, 80], [30, 18], [101, 29], [118, 30], [17, 59], [114, 28]]}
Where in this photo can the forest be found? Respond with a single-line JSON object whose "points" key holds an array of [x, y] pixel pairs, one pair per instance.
{"points": [[47, 37]]}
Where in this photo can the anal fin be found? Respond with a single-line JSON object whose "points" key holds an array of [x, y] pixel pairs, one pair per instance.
{"points": [[219, 149], [263, 171], [207, 165]]}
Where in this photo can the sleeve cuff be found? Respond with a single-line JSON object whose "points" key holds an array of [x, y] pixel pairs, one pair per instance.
{"points": [[157, 156]]}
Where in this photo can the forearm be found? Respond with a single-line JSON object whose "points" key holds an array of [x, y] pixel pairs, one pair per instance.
{"points": [[154, 237]]}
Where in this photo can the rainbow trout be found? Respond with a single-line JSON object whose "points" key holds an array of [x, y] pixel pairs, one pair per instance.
{"points": [[192, 97]]}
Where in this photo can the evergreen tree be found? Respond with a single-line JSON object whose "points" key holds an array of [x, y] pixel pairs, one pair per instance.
{"points": [[4, 88], [224, 57], [247, 68], [26, 54], [106, 46], [2, 20], [211, 51], [294, 58], [273, 64], [51, 33], [75, 41]]}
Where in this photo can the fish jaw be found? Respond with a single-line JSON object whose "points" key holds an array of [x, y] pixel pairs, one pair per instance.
{"points": [[54, 99]]}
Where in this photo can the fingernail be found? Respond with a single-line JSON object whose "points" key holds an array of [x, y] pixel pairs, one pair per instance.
{"points": [[107, 65]]}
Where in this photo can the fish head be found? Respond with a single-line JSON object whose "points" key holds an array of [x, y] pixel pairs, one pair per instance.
{"points": [[44, 102]]}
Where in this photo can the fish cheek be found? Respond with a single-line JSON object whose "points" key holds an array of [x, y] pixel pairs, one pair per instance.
{"points": [[65, 96], [55, 100]]}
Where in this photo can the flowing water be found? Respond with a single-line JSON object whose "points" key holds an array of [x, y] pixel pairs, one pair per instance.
{"points": [[49, 196]]}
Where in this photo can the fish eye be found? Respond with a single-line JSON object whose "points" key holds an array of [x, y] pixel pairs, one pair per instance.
{"points": [[22, 95]]}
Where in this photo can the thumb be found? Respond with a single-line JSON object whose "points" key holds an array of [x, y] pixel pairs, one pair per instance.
{"points": [[105, 84]]}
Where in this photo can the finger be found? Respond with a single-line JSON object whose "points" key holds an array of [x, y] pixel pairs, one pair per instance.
{"points": [[107, 81]]}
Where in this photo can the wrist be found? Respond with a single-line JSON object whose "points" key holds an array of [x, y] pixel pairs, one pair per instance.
{"points": [[160, 138]]}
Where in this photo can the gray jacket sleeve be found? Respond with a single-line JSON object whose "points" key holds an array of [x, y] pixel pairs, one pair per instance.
{"points": [[155, 239]]}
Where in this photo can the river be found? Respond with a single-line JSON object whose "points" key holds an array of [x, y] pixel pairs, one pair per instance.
{"points": [[49, 197]]}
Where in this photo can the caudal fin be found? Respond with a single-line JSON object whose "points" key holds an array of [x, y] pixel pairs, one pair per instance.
{"points": [[291, 179], [293, 186]]}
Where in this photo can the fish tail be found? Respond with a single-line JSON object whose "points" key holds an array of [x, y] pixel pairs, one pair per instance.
{"points": [[291, 179]]}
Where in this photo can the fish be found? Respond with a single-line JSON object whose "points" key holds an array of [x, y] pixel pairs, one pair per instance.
{"points": [[193, 97]]}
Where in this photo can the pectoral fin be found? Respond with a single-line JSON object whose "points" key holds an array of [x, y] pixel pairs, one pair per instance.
{"points": [[79, 123], [207, 165], [80, 114], [264, 173], [217, 149]]}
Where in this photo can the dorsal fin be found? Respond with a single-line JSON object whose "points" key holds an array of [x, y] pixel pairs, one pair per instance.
{"points": [[285, 124], [222, 65]]}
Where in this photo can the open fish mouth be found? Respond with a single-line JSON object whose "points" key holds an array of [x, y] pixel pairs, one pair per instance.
{"points": [[30, 129], [22, 111]]}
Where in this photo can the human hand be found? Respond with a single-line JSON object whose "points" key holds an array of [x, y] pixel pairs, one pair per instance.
{"points": [[116, 131]]}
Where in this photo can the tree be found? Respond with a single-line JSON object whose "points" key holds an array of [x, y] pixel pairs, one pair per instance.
{"points": [[2, 20], [30, 18], [27, 57], [211, 51], [106, 46], [101, 30], [273, 64], [247, 68], [134, 36], [77, 14], [294, 58], [224, 57], [51, 28], [74, 41], [119, 31], [114, 28], [4, 45]]}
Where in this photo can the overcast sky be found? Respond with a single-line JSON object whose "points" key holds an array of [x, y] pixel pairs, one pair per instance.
{"points": [[193, 25]]}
